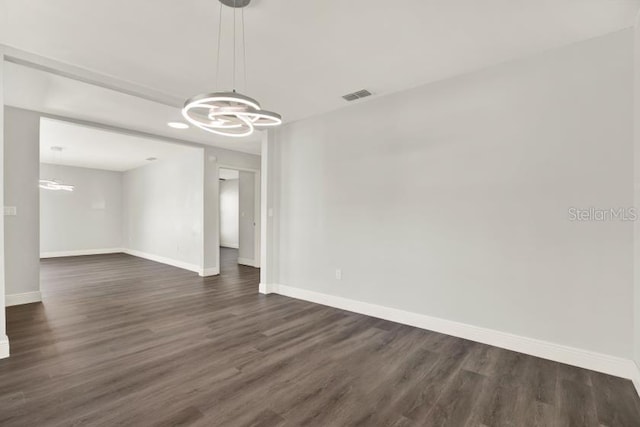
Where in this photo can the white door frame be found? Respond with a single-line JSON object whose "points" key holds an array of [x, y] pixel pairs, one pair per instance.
{"points": [[256, 210]]}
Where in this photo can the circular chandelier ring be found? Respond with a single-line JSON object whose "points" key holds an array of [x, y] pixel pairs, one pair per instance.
{"points": [[226, 130]]}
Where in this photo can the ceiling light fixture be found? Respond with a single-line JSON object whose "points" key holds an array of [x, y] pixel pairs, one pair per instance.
{"points": [[178, 125], [229, 113], [55, 184]]}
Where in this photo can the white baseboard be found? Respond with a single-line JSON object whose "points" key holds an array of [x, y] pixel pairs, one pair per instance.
{"points": [[81, 252], [4, 347], [607, 364], [248, 262], [230, 245], [636, 378], [213, 271], [264, 288], [164, 260], [25, 298]]}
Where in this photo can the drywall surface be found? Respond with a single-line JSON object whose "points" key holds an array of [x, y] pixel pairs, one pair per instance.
{"points": [[247, 217], [22, 237], [88, 218], [452, 199], [636, 182], [163, 205], [4, 341], [229, 215]]}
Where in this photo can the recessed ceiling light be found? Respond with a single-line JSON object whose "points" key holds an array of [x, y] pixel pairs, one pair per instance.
{"points": [[178, 125]]}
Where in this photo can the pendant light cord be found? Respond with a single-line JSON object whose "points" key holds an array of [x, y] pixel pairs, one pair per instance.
{"points": [[234, 45], [218, 53], [244, 51], [244, 48]]}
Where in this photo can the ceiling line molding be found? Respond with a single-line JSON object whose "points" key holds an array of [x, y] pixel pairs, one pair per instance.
{"points": [[38, 62]]}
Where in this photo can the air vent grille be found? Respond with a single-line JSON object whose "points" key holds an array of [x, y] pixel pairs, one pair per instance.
{"points": [[356, 95]]}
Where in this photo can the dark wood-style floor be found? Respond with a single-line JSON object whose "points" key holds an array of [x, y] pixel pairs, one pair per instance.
{"points": [[124, 341]]}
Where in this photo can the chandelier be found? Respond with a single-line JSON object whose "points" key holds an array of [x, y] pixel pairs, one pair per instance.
{"points": [[55, 184], [229, 113]]}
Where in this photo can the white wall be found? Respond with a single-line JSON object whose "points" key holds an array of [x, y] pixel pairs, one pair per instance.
{"points": [[229, 213], [636, 181], [89, 218], [22, 237], [451, 199], [247, 219], [164, 209], [4, 341]]}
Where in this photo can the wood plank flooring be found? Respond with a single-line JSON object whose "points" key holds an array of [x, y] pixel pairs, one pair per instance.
{"points": [[124, 341]]}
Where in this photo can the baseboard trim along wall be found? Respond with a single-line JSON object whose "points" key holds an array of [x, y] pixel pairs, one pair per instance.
{"points": [[229, 245], [636, 378], [266, 289], [206, 272], [81, 252], [164, 260], [4, 347], [248, 262], [607, 364], [25, 298]]}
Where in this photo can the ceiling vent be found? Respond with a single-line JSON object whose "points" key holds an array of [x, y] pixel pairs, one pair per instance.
{"points": [[356, 95]]}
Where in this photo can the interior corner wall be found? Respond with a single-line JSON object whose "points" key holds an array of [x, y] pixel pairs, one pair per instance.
{"points": [[452, 200], [21, 166], [229, 213], [87, 220], [163, 210]]}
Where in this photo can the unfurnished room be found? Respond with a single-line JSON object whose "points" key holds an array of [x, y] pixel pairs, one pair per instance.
{"points": [[320, 213]]}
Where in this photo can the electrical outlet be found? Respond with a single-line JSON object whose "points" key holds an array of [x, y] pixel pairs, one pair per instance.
{"points": [[10, 211], [338, 274]]}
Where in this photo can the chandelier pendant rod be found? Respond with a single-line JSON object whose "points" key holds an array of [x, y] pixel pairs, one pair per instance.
{"points": [[218, 52], [234, 45], [244, 51]]}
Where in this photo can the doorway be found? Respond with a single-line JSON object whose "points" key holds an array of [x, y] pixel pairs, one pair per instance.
{"points": [[239, 237]]}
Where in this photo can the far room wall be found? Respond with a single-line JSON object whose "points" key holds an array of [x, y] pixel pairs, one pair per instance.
{"points": [[87, 219]]}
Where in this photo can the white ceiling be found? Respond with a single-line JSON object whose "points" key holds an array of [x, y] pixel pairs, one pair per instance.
{"points": [[94, 148], [302, 55]]}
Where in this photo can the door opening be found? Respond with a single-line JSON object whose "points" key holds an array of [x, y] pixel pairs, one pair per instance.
{"points": [[239, 236]]}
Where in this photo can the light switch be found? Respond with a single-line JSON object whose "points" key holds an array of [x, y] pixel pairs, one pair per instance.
{"points": [[10, 211]]}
